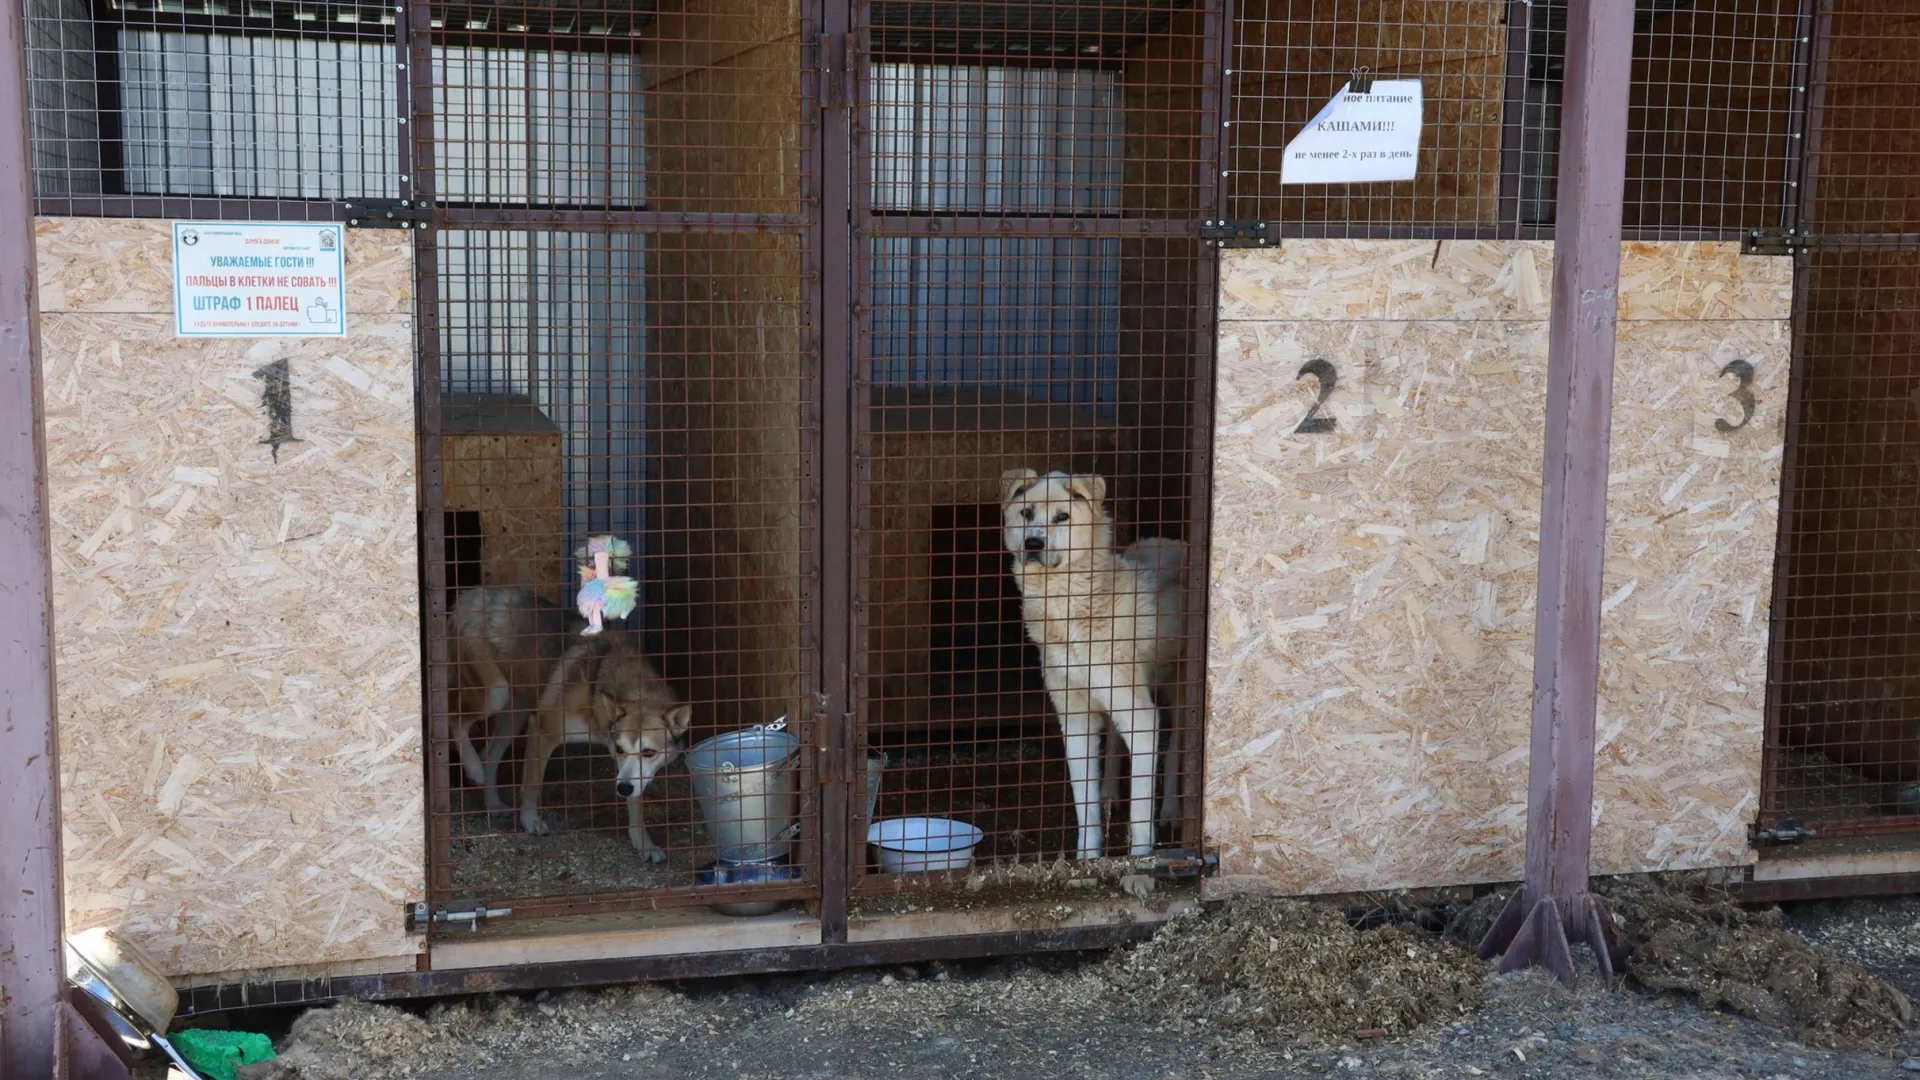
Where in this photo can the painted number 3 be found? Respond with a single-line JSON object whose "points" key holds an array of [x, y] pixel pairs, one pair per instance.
{"points": [[1742, 370], [1314, 423]]}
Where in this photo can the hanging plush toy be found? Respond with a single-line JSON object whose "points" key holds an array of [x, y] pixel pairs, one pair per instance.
{"points": [[618, 550], [601, 593]]}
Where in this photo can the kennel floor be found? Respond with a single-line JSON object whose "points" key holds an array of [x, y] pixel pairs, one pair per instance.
{"points": [[996, 763]]}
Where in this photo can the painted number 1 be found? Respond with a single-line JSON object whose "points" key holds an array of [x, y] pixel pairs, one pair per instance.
{"points": [[1314, 423], [276, 400]]}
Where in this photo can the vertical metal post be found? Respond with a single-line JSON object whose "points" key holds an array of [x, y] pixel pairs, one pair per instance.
{"points": [[836, 461], [31, 972], [1553, 909]]}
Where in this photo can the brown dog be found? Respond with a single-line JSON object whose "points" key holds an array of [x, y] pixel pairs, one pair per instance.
{"points": [[604, 692], [504, 642], [1108, 627]]}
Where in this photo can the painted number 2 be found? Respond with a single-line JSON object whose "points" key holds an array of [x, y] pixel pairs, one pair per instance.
{"points": [[1314, 423], [1742, 370]]}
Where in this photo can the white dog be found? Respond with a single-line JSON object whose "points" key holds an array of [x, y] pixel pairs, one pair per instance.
{"points": [[1108, 627]]}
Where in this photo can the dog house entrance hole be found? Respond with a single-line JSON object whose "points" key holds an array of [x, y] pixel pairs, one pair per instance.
{"points": [[978, 646], [463, 551]]}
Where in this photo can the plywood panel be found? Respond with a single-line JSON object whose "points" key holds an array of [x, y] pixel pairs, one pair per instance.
{"points": [[1373, 587], [237, 635]]}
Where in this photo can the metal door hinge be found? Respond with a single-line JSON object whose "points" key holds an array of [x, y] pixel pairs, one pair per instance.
{"points": [[1180, 865], [836, 57], [1773, 242], [1784, 831], [834, 764], [389, 214], [1239, 234], [452, 915]]}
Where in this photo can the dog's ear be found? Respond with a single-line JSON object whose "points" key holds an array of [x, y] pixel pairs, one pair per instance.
{"points": [[1089, 487], [679, 719], [1015, 481], [603, 711]]}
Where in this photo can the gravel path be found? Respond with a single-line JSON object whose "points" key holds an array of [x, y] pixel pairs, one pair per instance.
{"points": [[1028, 1019]]}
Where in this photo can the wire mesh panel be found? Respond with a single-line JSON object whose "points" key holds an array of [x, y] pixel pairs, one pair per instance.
{"points": [[1844, 706], [1033, 315], [268, 109], [620, 359], [1714, 103], [642, 395]]}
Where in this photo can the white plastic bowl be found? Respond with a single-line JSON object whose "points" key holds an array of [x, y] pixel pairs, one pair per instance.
{"points": [[907, 845]]}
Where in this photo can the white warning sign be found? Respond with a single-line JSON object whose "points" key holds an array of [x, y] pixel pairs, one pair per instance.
{"points": [[1359, 138], [244, 280]]}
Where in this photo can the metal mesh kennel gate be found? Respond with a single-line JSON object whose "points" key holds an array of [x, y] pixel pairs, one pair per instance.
{"points": [[1030, 293], [617, 351], [791, 391], [1844, 747]]}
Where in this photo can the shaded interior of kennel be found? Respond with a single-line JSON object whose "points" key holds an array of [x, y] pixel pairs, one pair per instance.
{"points": [[1844, 748], [643, 285], [1030, 294]]}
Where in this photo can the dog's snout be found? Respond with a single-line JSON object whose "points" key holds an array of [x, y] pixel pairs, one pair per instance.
{"points": [[625, 788], [1035, 543]]}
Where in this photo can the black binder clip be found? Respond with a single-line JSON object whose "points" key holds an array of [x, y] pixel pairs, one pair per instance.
{"points": [[1361, 81]]}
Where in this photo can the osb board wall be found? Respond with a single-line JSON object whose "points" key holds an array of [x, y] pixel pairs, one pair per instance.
{"points": [[726, 389], [238, 639], [728, 409], [1291, 56], [1373, 587], [723, 106]]}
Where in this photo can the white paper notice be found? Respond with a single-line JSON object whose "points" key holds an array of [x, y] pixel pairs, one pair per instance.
{"points": [[1359, 138], [232, 280]]}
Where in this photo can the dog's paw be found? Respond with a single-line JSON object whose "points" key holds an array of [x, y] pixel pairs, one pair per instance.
{"points": [[1138, 886], [534, 826]]}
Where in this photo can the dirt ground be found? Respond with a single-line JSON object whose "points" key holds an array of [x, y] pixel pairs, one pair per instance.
{"points": [[1281, 990]]}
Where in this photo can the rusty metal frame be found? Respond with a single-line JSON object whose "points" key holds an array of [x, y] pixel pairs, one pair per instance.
{"points": [[1553, 908], [827, 956], [1811, 74], [32, 970], [1513, 115], [840, 615]]}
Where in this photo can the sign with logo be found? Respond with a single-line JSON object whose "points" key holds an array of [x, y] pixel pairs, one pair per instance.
{"points": [[258, 280], [1359, 138]]}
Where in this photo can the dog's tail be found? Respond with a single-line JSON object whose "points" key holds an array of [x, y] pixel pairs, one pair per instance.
{"points": [[1158, 556]]}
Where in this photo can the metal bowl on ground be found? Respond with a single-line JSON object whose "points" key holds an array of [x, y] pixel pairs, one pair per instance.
{"points": [[912, 845], [721, 872], [128, 975]]}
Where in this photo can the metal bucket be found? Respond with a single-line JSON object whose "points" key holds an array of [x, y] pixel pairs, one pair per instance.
{"points": [[876, 764], [745, 781]]}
